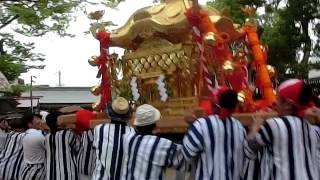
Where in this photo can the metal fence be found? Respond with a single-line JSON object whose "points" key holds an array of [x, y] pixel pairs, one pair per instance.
{"points": [[315, 85]]}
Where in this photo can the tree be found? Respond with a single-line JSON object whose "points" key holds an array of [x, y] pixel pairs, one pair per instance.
{"points": [[291, 31], [33, 18]]}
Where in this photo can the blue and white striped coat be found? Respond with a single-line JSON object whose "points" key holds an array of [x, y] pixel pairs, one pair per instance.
{"points": [[61, 153], [148, 156], [292, 144], [11, 158], [87, 154], [217, 146], [108, 142]]}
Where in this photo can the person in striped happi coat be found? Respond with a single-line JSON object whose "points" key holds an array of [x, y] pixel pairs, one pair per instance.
{"points": [[291, 141], [34, 154], [62, 146], [317, 129], [11, 158], [86, 156], [108, 140], [216, 142], [146, 155], [3, 132], [257, 164]]}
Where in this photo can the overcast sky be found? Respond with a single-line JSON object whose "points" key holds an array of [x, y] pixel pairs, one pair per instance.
{"points": [[70, 55]]}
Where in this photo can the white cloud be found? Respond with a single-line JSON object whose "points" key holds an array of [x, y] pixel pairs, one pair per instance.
{"points": [[69, 55]]}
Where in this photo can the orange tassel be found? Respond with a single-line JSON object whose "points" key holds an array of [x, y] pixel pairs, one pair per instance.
{"points": [[260, 61]]}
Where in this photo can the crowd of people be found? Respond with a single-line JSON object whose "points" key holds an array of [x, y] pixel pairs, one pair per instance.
{"points": [[216, 147]]}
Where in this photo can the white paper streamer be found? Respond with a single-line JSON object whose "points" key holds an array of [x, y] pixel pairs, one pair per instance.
{"points": [[134, 88], [161, 88]]}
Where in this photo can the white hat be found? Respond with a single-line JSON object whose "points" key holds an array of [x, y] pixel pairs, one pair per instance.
{"points": [[146, 115]]}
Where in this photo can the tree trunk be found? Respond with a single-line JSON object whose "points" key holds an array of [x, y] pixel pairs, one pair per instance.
{"points": [[2, 52], [307, 47], [9, 21], [307, 43]]}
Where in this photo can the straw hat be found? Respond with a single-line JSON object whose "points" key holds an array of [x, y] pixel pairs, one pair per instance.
{"points": [[119, 109], [146, 115]]}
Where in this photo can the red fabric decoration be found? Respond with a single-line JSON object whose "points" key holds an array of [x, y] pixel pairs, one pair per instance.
{"points": [[83, 120], [207, 105], [217, 93], [104, 39], [237, 79], [222, 53], [193, 18]]}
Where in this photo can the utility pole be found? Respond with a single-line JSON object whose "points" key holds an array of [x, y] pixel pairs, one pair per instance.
{"points": [[31, 96], [59, 74]]}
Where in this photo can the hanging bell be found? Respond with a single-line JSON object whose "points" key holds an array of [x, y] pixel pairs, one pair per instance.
{"points": [[271, 70], [209, 38], [241, 96], [95, 90], [228, 66], [93, 61], [96, 106]]}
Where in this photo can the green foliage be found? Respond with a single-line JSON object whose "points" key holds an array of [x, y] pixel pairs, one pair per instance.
{"points": [[287, 32], [232, 6], [124, 91], [16, 90], [14, 60], [33, 18]]}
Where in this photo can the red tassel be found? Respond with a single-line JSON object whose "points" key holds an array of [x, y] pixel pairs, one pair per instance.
{"points": [[104, 39], [193, 18]]}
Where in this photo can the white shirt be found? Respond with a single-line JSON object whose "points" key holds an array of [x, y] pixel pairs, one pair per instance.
{"points": [[3, 139], [33, 147]]}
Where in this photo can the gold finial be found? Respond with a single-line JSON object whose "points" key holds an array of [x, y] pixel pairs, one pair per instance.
{"points": [[210, 38], [95, 90], [93, 61], [228, 66]]}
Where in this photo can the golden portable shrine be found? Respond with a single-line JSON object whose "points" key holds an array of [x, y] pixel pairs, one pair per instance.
{"points": [[176, 53]]}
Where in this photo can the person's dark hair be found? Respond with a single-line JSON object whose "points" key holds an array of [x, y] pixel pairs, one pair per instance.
{"points": [[229, 99], [317, 101], [51, 120], [144, 130], [27, 117], [306, 95], [2, 118], [17, 123]]}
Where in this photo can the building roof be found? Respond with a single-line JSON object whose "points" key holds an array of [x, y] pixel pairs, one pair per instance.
{"points": [[62, 95]]}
